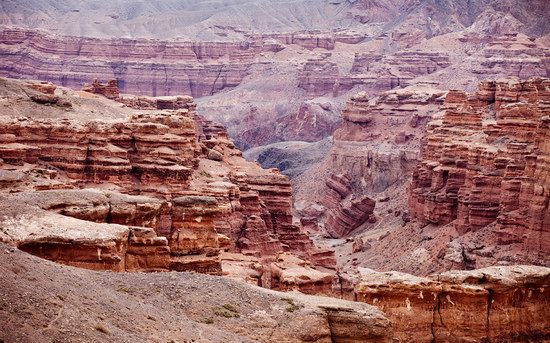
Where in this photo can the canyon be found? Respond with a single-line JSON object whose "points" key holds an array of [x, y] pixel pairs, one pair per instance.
{"points": [[467, 184], [238, 170], [168, 188], [312, 67], [154, 187]]}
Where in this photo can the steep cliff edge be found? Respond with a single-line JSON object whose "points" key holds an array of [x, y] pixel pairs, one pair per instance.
{"points": [[485, 171], [153, 187], [496, 304]]}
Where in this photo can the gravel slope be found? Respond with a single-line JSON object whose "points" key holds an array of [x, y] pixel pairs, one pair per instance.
{"points": [[41, 301]]}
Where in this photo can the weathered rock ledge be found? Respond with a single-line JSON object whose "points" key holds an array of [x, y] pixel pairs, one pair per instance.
{"points": [[159, 189], [495, 304]]}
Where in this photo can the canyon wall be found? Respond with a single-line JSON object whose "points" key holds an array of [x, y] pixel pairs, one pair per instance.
{"points": [[372, 71], [162, 189], [477, 194], [140, 66], [484, 168], [314, 72], [495, 304]]}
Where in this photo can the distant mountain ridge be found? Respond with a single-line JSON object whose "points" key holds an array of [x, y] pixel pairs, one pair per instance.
{"points": [[230, 19]]}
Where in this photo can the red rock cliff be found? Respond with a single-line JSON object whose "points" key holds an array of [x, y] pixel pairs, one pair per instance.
{"points": [[485, 169], [168, 190], [496, 304]]}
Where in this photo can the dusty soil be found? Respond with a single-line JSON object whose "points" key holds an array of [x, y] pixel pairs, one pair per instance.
{"points": [[41, 301]]}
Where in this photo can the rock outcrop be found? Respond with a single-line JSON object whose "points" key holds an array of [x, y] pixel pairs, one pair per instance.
{"points": [[345, 211], [163, 189], [485, 169], [515, 55], [496, 304], [110, 90], [375, 148], [321, 76]]}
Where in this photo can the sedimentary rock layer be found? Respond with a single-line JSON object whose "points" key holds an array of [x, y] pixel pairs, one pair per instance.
{"points": [[163, 189], [139, 66], [496, 304], [485, 164]]}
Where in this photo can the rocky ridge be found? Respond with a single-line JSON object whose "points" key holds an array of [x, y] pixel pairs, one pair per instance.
{"points": [[169, 190]]}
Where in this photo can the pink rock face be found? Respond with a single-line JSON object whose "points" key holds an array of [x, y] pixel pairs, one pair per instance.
{"points": [[140, 66], [486, 163], [196, 68], [508, 52], [376, 73], [319, 77]]}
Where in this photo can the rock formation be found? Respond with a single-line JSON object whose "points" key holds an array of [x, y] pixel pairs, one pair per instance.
{"points": [[496, 304], [163, 189], [110, 90], [477, 195], [143, 183], [346, 212], [484, 168], [375, 147]]}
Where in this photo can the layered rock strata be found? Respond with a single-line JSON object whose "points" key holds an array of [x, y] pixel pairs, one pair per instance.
{"points": [[516, 55], [496, 304], [300, 67], [322, 76], [196, 68], [346, 212], [485, 167], [167, 189]]}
